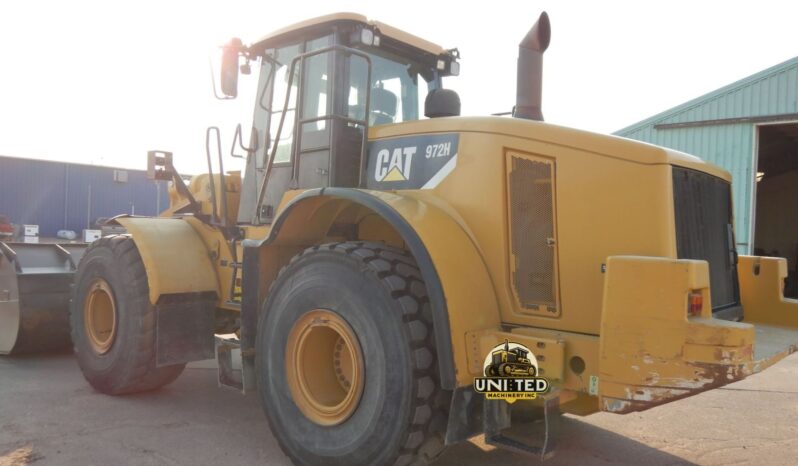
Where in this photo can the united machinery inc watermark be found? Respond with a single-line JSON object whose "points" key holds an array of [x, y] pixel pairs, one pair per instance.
{"points": [[511, 373]]}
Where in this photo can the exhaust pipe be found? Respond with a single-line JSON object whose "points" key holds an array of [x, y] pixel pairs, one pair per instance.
{"points": [[530, 70]]}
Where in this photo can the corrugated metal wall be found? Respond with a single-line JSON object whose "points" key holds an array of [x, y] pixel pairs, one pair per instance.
{"points": [[57, 195], [732, 146]]}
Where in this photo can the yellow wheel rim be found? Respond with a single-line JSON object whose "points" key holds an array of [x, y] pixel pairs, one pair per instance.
{"points": [[324, 367], [99, 316]]}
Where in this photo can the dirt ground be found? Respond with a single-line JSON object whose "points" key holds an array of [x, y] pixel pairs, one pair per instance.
{"points": [[50, 415]]}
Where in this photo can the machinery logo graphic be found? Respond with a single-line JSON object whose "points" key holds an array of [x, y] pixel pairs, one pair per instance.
{"points": [[411, 162], [394, 165], [511, 373]]}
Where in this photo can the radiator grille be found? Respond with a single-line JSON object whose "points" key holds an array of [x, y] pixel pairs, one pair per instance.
{"points": [[532, 233], [702, 204]]}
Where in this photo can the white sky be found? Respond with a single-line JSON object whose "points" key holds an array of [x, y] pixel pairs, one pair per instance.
{"points": [[101, 82]]}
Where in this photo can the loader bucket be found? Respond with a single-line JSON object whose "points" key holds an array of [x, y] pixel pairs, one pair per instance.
{"points": [[35, 282]]}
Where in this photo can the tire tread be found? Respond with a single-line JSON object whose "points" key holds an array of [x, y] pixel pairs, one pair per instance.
{"points": [[423, 441], [143, 375]]}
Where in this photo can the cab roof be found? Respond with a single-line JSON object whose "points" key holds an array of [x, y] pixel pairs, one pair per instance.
{"points": [[384, 29]]}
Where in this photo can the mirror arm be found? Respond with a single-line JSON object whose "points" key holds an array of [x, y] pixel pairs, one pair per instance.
{"points": [[215, 215]]}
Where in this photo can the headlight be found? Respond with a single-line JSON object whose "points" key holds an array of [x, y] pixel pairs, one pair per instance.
{"points": [[367, 36]]}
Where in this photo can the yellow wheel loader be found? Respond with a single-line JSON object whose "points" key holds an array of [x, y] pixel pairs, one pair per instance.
{"points": [[370, 259]]}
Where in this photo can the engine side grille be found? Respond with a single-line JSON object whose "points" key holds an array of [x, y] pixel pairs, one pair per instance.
{"points": [[702, 204], [531, 193]]}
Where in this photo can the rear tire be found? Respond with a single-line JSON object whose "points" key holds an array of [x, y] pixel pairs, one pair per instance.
{"points": [[378, 292], [116, 348]]}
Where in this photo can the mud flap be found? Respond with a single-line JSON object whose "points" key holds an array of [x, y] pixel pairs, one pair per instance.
{"points": [[465, 415], [185, 328]]}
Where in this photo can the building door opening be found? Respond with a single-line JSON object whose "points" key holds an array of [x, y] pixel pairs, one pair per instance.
{"points": [[776, 229]]}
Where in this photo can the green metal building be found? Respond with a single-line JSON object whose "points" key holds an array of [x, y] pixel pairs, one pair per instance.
{"points": [[750, 128]]}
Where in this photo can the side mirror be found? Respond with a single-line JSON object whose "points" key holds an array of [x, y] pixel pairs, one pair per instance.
{"points": [[229, 70]]}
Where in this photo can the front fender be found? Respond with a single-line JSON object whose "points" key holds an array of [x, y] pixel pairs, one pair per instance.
{"points": [[174, 256]]}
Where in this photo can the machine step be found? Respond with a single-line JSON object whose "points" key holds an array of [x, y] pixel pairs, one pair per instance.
{"points": [[231, 366], [229, 375], [496, 417]]}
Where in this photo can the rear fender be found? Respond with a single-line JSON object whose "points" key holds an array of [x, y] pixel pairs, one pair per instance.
{"points": [[460, 290]]}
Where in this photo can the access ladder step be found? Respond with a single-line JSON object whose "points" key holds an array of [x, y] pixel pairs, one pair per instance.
{"points": [[229, 374], [497, 422]]}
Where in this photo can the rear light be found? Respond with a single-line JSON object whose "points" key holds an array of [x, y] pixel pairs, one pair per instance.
{"points": [[695, 303]]}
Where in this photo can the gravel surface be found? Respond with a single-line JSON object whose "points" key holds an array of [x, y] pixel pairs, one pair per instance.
{"points": [[50, 415]]}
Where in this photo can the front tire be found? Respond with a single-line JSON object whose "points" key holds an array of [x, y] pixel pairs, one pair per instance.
{"points": [[342, 305], [113, 322]]}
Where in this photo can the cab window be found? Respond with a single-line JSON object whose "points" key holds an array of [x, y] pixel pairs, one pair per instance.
{"points": [[317, 88], [397, 90]]}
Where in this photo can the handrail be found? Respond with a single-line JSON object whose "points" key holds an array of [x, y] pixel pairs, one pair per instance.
{"points": [[215, 215]]}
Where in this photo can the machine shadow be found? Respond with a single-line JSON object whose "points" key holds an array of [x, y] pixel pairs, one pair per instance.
{"points": [[579, 443]]}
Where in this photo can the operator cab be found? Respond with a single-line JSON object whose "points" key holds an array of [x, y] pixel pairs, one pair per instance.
{"points": [[322, 84]]}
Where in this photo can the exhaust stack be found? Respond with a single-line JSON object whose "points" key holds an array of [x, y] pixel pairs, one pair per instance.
{"points": [[530, 70]]}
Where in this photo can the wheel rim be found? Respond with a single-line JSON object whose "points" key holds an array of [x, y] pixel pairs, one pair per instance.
{"points": [[324, 367], [99, 316]]}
